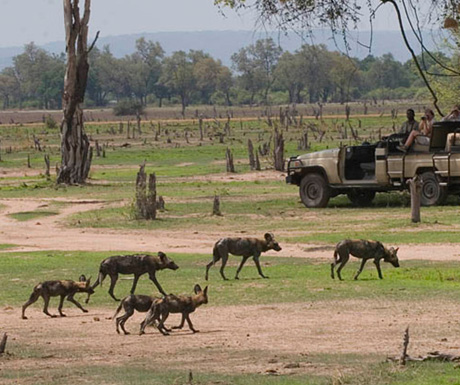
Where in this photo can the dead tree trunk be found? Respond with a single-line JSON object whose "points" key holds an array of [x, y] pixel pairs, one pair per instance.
{"points": [[151, 209], [403, 357], [229, 158], [257, 162], [47, 166], [415, 186], [252, 161], [201, 129], [3, 343], [216, 206], [76, 153], [278, 151], [145, 202]]}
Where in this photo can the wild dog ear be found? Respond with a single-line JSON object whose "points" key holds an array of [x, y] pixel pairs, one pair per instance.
{"points": [[162, 255], [88, 282], [82, 278], [396, 250], [268, 237], [197, 289], [205, 291]]}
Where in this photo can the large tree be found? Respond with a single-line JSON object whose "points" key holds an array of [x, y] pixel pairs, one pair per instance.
{"points": [[76, 153], [343, 15]]}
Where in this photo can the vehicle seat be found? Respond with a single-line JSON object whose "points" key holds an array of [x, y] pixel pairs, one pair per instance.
{"points": [[421, 144], [367, 166], [453, 143]]}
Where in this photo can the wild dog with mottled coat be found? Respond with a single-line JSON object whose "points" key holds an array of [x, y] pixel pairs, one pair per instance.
{"points": [[137, 264], [245, 247], [63, 288], [139, 302], [161, 308], [365, 250]]}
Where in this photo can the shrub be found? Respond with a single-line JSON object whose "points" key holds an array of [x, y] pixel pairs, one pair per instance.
{"points": [[128, 107]]}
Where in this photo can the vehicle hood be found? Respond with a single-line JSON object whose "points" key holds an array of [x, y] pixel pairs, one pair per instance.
{"points": [[332, 153]]}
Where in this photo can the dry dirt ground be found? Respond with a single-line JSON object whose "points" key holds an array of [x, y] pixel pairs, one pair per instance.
{"points": [[233, 339], [184, 241], [236, 339]]}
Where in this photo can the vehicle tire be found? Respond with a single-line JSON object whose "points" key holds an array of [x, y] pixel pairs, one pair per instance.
{"points": [[432, 193], [314, 191], [361, 197]]}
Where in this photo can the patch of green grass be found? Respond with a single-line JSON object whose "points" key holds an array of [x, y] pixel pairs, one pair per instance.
{"points": [[29, 215], [4, 246], [291, 279], [360, 372]]}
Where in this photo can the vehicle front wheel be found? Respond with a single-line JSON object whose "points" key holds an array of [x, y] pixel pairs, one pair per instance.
{"points": [[432, 193], [361, 197], [314, 191]]}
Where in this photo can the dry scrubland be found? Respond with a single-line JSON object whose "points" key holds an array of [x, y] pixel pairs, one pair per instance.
{"points": [[297, 327]]}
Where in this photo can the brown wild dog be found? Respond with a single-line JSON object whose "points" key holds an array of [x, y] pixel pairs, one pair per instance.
{"points": [[138, 265], [365, 250], [245, 247], [161, 308], [141, 303], [64, 288]]}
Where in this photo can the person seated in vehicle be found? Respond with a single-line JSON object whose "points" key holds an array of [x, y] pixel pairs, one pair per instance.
{"points": [[454, 115], [424, 133], [410, 124]]}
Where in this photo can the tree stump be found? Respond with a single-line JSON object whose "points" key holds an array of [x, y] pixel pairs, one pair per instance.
{"points": [[257, 162], [47, 166], [279, 151], [252, 161], [145, 201], [3, 343], [201, 128], [415, 186], [229, 159], [216, 206], [161, 203]]}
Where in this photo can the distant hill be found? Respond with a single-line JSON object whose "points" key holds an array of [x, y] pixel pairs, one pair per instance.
{"points": [[222, 44]]}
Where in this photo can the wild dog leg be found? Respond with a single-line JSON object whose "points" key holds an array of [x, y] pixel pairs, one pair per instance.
{"points": [[377, 265], [133, 288], [61, 304], [256, 261], [190, 325], [363, 262], [344, 259], [240, 267], [224, 263], [113, 281], [32, 299], [46, 299], [70, 298]]}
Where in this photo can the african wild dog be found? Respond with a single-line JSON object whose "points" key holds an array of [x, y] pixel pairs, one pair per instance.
{"points": [[175, 304], [141, 303], [365, 250], [245, 247], [137, 264], [64, 288]]}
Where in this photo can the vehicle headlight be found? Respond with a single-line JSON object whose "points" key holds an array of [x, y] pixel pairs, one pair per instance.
{"points": [[295, 163]]}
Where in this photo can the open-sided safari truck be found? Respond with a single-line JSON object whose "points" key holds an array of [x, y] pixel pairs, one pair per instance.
{"points": [[362, 171]]}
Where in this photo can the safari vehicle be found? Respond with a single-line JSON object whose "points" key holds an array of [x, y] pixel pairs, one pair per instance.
{"points": [[362, 171]]}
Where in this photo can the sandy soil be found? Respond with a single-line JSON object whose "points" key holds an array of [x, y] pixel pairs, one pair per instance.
{"points": [[236, 339]]}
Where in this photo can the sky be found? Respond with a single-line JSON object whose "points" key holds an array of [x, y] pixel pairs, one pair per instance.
{"points": [[41, 21]]}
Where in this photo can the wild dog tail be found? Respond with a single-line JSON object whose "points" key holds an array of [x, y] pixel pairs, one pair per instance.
{"points": [[335, 255], [122, 302], [215, 251]]}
